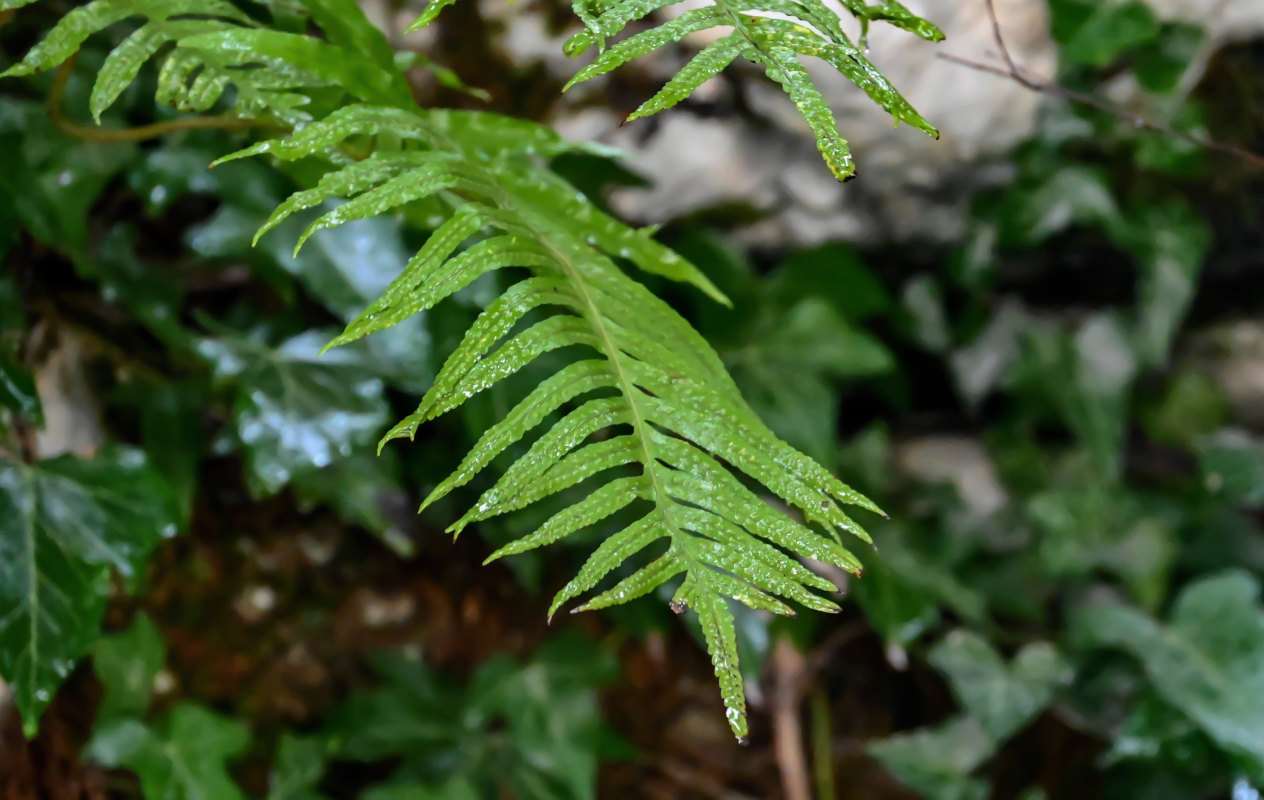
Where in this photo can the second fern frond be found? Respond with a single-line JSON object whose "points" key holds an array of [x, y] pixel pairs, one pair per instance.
{"points": [[772, 33]]}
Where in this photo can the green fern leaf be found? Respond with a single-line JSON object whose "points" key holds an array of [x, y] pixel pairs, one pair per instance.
{"points": [[648, 396], [187, 80], [328, 63], [701, 68], [642, 423], [809, 28]]}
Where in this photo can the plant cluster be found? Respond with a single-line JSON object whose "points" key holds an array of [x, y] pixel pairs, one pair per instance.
{"points": [[1104, 586]]}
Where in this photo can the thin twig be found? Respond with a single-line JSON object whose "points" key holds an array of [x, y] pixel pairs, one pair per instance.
{"points": [[1000, 44], [787, 665], [139, 133], [1016, 73]]}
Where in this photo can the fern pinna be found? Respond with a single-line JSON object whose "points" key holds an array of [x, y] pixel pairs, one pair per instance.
{"points": [[771, 33], [644, 418]]}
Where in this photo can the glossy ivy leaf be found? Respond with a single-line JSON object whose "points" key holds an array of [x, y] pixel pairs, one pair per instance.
{"points": [[1085, 377], [803, 28], [1233, 466], [297, 769], [1169, 242], [1101, 526], [937, 762], [126, 664], [66, 526], [295, 411], [1110, 31], [1003, 697], [54, 180], [17, 392], [183, 757], [348, 267], [365, 491], [788, 367], [1207, 661], [646, 391], [531, 731]]}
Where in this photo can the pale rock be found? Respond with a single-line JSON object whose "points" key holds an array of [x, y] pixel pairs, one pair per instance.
{"points": [[1224, 20], [910, 185], [960, 462], [1237, 367], [72, 411], [694, 163]]}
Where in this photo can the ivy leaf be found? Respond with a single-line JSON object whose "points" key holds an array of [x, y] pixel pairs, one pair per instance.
{"points": [[365, 490], [1087, 377], [997, 700], [1102, 526], [1002, 697], [183, 758], [126, 663], [1110, 31], [786, 372], [1170, 242], [531, 731], [348, 267], [17, 392], [937, 762], [1208, 661], [65, 525], [1233, 466], [300, 764], [294, 410]]}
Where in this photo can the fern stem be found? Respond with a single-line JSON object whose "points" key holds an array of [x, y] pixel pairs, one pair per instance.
{"points": [[139, 133]]}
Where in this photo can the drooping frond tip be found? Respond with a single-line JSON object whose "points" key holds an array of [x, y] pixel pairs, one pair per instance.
{"points": [[772, 33]]}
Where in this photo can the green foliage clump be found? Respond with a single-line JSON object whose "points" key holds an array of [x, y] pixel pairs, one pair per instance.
{"points": [[655, 399], [1074, 545]]}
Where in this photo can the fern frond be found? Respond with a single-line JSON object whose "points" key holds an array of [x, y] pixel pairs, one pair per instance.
{"points": [[207, 47], [773, 33], [643, 421], [645, 392]]}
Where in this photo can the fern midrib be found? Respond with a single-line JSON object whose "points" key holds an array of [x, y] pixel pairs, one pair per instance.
{"points": [[739, 25], [628, 389]]}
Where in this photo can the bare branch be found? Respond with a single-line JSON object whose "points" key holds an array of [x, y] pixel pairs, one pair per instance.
{"points": [[1018, 74]]}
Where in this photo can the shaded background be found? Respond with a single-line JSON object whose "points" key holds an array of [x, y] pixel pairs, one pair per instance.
{"points": [[1037, 343]]}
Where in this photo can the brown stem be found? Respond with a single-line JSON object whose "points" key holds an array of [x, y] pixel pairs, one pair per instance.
{"points": [[787, 665], [139, 133]]}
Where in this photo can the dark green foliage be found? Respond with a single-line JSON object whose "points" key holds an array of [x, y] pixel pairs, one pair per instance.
{"points": [[1074, 546], [500, 208], [66, 525]]}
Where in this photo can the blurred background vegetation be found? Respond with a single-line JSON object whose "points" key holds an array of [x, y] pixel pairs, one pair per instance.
{"points": [[1040, 347]]}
